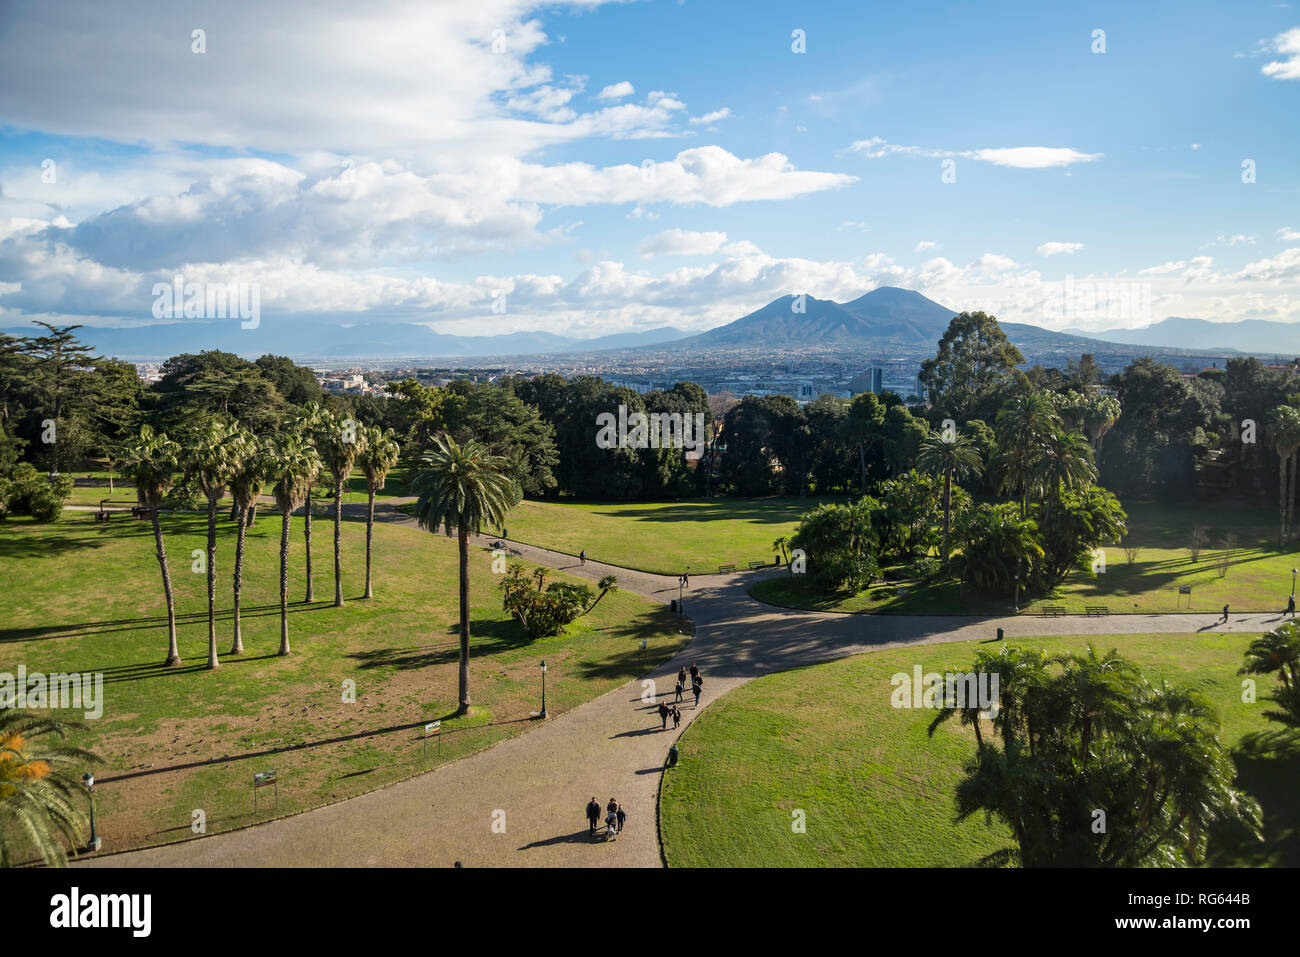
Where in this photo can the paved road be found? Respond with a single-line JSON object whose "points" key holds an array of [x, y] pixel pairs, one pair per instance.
{"points": [[538, 783]]}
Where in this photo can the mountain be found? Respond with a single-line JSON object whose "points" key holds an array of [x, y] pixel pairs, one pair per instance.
{"points": [[330, 340], [1248, 335]]}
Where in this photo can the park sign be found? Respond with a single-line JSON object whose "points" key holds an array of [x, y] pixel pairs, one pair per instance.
{"points": [[262, 778], [433, 727]]}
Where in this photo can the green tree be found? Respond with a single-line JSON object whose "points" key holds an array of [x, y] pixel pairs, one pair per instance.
{"points": [[245, 486], [999, 549], [376, 461], [1279, 651], [951, 458], [212, 461], [292, 468], [840, 543], [152, 460], [42, 798], [306, 425], [1284, 428], [1023, 427], [340, 440], [975, 366], [463, 487]]}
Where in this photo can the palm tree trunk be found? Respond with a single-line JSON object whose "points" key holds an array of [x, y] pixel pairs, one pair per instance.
{"points": [[212, 583], [1290, 497], [237, 646], [464, 619], [1281, 498], [173, 650], [947, 510], [306, 512], [284, 582], [338, 529], [370, 530], [251, 513]]}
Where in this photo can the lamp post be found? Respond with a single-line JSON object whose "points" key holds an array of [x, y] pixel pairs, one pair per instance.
{"points": [[89, 779], [543, 690], [1293, 574]]}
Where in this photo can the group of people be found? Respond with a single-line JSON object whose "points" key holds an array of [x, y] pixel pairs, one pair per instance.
{"points": [[615, 816], [697, 686]]}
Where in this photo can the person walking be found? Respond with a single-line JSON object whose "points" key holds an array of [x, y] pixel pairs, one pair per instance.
{"points": [[611, 822], [677, 717], [582, 556], [695, 672], [686, 579], [681, 676], [680, 689], [1225, 614], [696, 689], [1290, 606], [593, 814], [621, 816], [663, 715]]}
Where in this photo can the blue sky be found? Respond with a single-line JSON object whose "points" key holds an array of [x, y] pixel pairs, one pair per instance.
{"points": [[593, 167]]}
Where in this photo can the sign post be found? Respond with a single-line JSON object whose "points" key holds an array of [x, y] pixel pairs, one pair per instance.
{"points": [[1185, 590], [262, 779], [434, 728]]}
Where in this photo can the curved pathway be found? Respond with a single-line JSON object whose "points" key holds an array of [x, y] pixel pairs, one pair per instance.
{"points": [[520, 803]]}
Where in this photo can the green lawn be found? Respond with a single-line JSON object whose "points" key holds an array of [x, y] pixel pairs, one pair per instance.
{"points": [[88, 598], [662, 537], [876, 791], [1257, 578]]}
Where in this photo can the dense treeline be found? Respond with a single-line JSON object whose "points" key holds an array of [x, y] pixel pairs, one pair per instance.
{"points": [[1153, 430]]}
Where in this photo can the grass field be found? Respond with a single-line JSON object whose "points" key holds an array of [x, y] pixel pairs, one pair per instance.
{"points": [[876, 791], [88, 598], [1257, 578], [662, 537]]}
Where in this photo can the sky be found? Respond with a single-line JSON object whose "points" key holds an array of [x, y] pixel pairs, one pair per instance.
{"points": [[593, 167]]}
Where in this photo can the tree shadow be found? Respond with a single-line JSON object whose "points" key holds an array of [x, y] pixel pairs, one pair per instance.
{"points": [[1268, 768]]}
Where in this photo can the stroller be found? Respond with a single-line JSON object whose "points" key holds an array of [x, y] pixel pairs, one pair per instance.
{"points": [[611, 826]]}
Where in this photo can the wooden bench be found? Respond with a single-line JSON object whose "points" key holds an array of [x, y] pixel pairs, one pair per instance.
{"points": [[102, 515], [753, 565], [1096, 610], [1052, 611], [723, 569]]}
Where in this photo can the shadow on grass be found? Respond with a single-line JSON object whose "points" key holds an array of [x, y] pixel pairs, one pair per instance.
{"points": [[82, 629], [1268, 768]]}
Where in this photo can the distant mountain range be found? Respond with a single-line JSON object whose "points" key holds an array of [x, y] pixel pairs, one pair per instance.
{"points": [[883, 318], [370, 340], [1249, 335]]}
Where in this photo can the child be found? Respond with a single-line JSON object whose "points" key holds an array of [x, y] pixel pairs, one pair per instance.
{"points": [[677, 718]]}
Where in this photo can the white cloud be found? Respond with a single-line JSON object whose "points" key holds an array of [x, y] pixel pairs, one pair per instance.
{"points": [[1054, 249], [1288, 235], [616, 91], [924, 245], [713, 117], [681, 242], [1288, 46], [1019, 157]]}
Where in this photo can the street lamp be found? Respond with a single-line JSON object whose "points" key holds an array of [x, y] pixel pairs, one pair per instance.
{"points": [[89, 779], [543, 690], [1293, 574]]}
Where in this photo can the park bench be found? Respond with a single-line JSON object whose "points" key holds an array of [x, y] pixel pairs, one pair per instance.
{"points": [[724, 569], [103, 514], [1052, 611], [753, 565], [1096, 610]]}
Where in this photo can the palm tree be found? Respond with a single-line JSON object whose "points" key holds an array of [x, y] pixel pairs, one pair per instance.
{"points": [[41, 795], [305, 425], [1022, 429], [463, 487], [245, 487], [292, 468], [1279, 651], [376, 461], [340, 441], [151, 459], [957, 458], [1066, 464], [606, 585], [213, 460], [1284, 426]]}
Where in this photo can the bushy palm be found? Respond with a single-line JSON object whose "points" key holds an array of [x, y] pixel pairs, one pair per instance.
{"points": [[463, 487], [999, 549], [376, 461], [1065, 465], [953, 459], [1022, 428], [213, 459], [42, 798], [339, 440], [1279, 651], [292, 467], [1284, 428], [151, 459]]}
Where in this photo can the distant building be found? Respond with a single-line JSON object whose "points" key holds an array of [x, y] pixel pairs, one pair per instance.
{"points": [[877, 381]]}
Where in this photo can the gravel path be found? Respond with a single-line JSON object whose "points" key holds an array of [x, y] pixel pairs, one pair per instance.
{"points": [[521, 802]]}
